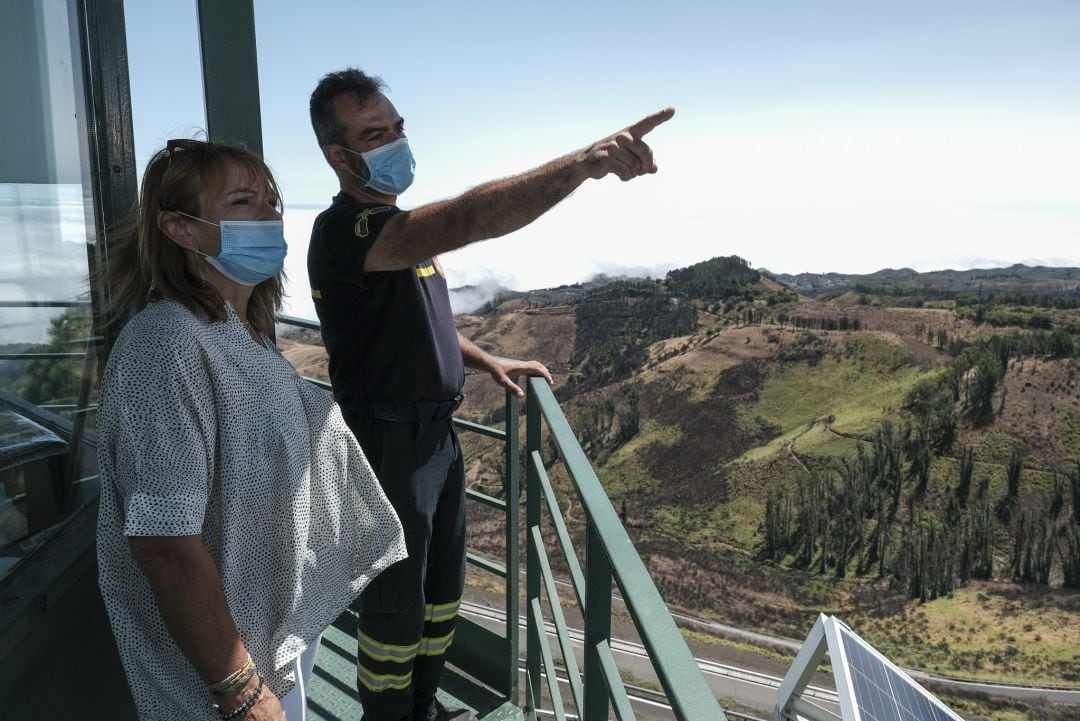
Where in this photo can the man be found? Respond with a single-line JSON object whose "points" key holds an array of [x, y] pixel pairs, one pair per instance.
{"points": [[397, 361]]}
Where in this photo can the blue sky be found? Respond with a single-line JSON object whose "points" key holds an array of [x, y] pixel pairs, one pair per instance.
{"points": [[809, 136]]}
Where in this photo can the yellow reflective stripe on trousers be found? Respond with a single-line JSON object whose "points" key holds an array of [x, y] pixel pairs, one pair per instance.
{"points": [[384, 651], [435, 646], [439, 612], [375, 683]]}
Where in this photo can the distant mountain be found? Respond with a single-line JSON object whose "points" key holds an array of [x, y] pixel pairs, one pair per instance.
{"points": [[1018, 277], [723, 277], [484, 299]]}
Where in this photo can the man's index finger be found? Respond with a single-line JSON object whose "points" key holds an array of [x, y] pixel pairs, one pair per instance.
{"points": [[649, 122]]}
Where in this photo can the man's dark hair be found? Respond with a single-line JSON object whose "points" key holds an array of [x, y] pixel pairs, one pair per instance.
{"points": [[328, 129]]}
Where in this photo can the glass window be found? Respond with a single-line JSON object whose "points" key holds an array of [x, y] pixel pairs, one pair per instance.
{"points": [[48, 387], [165, 72]]}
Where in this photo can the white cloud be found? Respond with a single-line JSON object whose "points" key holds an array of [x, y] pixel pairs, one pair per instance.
{"points": [[298, 222], [467, 298], [795, 201]]}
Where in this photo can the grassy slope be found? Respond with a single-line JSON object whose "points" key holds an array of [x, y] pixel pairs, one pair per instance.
{"points": [[858, 389], [862, 385], [986, 631]]}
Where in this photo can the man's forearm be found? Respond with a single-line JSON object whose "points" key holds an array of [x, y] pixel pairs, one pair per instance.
{"points": [[503, 206], [192, 603], [487, 211], [473, 356]]}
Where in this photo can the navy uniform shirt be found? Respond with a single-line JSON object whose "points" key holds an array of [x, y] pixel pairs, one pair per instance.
{"points": [[390, 334]]}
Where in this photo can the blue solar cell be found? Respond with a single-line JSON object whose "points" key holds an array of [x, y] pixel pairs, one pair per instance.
{"points": [[883, 694], [926, 709], [908, 701], [892, 709]]}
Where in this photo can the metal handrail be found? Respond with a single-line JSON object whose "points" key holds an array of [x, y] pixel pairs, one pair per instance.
{"points": [[44, 304], [610, 556], [298, 322], [40, 356]]}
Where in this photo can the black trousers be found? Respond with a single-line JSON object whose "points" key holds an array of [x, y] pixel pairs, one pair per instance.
{"points": [[407, 614]]}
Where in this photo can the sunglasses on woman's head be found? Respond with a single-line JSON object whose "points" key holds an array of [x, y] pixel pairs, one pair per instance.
{"points": [[183, 144]]}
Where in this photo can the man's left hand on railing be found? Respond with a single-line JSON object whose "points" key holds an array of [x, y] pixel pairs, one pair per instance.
{"points": [[505, 370]]}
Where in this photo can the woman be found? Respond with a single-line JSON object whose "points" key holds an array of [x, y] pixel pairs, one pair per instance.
{"points": [[238, 515]]}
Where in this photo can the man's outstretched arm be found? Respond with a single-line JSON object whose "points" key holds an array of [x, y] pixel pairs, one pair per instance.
{"points": [[502, 206], [503, 370]]}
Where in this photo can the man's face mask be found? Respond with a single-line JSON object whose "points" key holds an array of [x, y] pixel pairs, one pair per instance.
{"points": [[390, 167]]}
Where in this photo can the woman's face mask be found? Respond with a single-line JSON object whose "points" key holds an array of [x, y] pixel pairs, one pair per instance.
{"points": [[251, 250]]}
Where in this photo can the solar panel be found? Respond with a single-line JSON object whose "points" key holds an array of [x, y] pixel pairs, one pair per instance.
{"points": [[882, 692], [869, 687]]}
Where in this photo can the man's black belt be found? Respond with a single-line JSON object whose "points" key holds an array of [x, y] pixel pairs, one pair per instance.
{"points": [[422, 412]]}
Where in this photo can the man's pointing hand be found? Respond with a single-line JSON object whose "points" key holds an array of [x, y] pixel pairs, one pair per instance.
{"points": [[625, 154]]}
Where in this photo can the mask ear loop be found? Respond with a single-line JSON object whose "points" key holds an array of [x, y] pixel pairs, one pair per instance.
{"points": [[352, 172], [199, 254], [199, 270]]}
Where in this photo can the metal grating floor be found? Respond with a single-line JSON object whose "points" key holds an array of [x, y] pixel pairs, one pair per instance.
{"points": [[332, 692]]}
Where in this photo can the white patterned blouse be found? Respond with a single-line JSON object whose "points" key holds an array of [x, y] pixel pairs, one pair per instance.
{"points": [[203, 431]]}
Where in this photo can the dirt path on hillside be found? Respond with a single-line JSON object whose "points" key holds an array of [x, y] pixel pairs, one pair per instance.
{"points": [[795, 457], [790, 446], [841, 434]]}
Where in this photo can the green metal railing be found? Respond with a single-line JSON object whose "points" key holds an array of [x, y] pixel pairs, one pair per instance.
{"points": [[609, 556], [596, 687], [488, 656]]}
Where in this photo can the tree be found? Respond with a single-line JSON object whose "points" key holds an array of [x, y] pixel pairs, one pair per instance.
{"points": [[981, 539], [1074, 483], [847, 516], [927, 558], [1013, 471], [778, 525], [981, 385], [967, 470], [919, 458], [50, 380], [888, 454], [811, 518], [1070, 555], [1062, 344], [1012, 474], [1033, 546]]}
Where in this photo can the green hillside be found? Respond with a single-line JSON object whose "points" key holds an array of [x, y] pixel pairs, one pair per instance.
{"points": [[890, 452]]}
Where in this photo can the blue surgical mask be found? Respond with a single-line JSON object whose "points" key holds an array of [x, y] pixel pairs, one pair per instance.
{"points": [[251, 250], [391, 167]]}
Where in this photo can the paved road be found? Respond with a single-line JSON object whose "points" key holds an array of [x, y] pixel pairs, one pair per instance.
{"points": [[1016, 691], [747, 688], [1054, 695], [756, 690]]}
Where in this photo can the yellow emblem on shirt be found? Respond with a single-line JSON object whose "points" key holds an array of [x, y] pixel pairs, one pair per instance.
{"points": [[361, 229]]}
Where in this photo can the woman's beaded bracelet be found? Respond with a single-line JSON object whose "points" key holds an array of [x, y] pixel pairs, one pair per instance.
{"points": [[235, 680], [244, 707]]}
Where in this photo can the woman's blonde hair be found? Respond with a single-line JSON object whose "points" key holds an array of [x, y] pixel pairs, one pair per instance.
{"points": [[144, 265]]}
